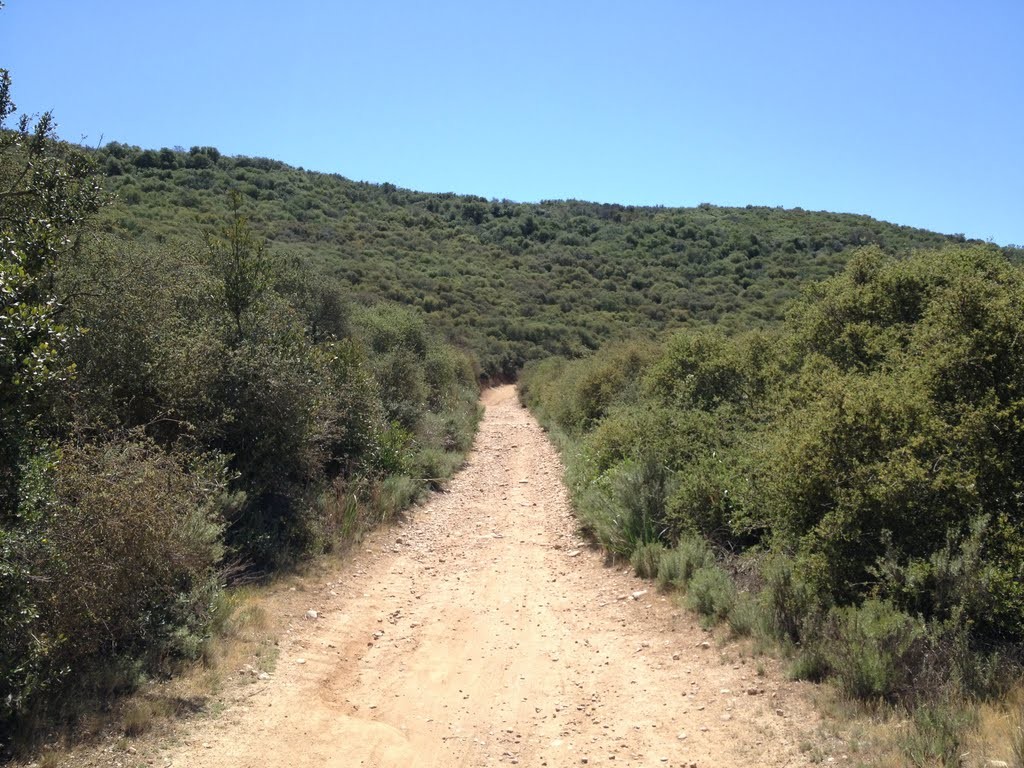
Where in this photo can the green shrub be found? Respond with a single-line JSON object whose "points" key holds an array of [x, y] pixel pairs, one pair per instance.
{"points": [[403, 390], [937, 733], [745, 616], [709, 498], [600, 516], [646, 559], [537, 381], [623, 434], [711, 593], [348, 413], [433, 466], [390, 452], [450, 375], [907, 401], [125, 548], [678, 565], [625, 508], [706, 369], [394, 494], [264, 398], [342, 510], [810, 663], [398, 341], [460, 426], [875, 650], [788, 603], [451, 431], [386, 327], [955, 584], [586, 389]]}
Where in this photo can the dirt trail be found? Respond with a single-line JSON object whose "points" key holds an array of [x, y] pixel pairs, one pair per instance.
{"points": [[484, 632]]}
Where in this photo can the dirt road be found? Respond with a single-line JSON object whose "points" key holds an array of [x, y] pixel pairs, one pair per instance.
{"points": [[484, 632]]}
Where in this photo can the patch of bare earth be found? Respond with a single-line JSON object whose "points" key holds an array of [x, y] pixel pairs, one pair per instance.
{"points": [[482, 632]]}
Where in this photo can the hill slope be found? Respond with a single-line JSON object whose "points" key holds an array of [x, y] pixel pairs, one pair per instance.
{"points": [[513, 281]]}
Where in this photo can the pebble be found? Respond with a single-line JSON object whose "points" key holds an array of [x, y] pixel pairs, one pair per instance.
{"points": [[311, 614]]}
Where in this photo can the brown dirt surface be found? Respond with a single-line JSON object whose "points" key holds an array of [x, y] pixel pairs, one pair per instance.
{"points": [[483, 630]]}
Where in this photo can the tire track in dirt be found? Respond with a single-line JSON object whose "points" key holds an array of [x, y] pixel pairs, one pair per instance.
{"points": [[484, 632]]}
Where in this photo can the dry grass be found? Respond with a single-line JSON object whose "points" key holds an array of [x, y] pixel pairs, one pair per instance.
{"points": [[879, 735], [853, 732], [999, 735], [140, 714], [868, 736], [244, 645]]}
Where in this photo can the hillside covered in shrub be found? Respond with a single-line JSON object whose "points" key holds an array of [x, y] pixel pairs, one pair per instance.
{"points": [[212, 366], [850, 483], [513, 281]]}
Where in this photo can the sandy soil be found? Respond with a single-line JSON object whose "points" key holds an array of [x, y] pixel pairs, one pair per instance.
{"points": [[483, 631]]}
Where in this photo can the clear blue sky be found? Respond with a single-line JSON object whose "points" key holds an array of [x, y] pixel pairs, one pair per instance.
{"points": [[910, 111]]}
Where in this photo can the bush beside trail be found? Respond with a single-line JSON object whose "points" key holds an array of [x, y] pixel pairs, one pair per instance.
{"points": [[171, 415], [859, 470]]}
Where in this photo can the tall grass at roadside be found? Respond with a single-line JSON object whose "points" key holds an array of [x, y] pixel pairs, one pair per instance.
{"points": [[711, 593], [625, 509], [678, 564], [646, 559]]}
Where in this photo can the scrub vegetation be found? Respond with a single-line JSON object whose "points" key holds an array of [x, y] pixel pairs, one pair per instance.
{"points": [[848, 484], [212, 367], [177, 416], [514, 282]]}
